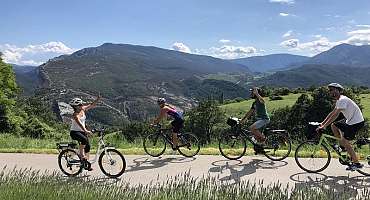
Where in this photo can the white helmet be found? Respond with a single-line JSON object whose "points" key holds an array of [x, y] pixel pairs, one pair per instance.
{"points": [[76, 102], [336, 85], [161, 101]]}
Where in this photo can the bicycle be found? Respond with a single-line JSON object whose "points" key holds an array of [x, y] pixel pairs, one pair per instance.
{"points": [[155, 143], [233, 144], [316, 152], [71, 164]]}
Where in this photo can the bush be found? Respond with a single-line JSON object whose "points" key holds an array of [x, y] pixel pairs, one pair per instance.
{"points": [[274, 98]]}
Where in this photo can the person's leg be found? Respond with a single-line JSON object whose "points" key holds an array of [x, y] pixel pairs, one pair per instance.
{"points": [[337, 133], [175, 130], [254, 128], [76, 135], [350, 150]]}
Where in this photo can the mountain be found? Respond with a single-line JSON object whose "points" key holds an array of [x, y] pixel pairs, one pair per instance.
{"points": [[320, 74], [344, 54], [131, 77], [27, 77], [345, 63], [270, 62]]}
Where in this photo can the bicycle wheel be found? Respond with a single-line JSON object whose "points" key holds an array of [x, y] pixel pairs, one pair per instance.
{"points": [[189, 145], [278, 146], [232, 146], [363, 154], [312, 157], [69, 162], [154, 144], [112, 163]]}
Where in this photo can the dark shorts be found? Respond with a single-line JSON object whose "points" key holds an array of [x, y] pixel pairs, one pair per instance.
{"points": [[349, 131], [177, 124], [82, 138]]}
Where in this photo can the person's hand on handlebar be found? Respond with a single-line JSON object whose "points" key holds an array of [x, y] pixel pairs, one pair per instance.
{"points": [[320, 128], [88, 133]]}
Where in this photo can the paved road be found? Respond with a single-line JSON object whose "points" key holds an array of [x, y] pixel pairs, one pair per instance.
{"points": [[144, 169]]}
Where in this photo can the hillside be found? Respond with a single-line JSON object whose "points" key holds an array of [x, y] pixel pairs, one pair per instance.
{"points": [[271, 62], [132, 77]]}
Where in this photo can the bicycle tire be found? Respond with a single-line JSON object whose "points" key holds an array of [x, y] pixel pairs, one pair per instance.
{"points": [[70, 156], [150, 144], [112, 162], [274, 142], [189, 145], [305, 149], [227, 143]]}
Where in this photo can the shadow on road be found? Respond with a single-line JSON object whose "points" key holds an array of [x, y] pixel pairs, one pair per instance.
{"points": [[147, 162], [349, 185], [238, 170]]}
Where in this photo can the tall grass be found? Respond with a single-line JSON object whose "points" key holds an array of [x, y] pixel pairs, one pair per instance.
{"points": [[29, 184]]}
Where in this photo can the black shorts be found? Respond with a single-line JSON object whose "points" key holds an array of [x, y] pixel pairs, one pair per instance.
{"points": [[82, 138], [349, 131], [177, 124]]}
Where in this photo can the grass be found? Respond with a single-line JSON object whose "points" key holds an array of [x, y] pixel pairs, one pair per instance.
{"points": [[239, 109], [365, 101], [30, 184]]}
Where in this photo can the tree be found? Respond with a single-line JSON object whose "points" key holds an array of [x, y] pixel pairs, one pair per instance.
{"points": [[203, 119], [8, 91]]}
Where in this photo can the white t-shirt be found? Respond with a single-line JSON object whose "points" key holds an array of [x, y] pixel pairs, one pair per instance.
{"points": [[350, 110]]}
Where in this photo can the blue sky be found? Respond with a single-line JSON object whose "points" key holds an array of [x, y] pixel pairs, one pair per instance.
{"points": [[33, 31]]}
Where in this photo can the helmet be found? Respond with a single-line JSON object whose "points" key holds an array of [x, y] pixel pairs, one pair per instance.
{"points": [[161, 101], [76, 102], [258, 89], [336, 85]]}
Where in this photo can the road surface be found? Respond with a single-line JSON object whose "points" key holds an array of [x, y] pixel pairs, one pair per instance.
{"points": [[142, 169]]}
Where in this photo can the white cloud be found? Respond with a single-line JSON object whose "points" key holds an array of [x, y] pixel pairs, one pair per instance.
{"points": [[358, 37], [230, 51], [29, 54], [284, 14], [363, 25], [320, 44], [287, 34], [178, 46], [292, 43], [283, 1], [224, 41]]}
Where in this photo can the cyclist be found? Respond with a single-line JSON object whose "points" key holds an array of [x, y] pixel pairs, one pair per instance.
{"points": [[259, 109], [344, 129], [178, 120], [78, 128]]}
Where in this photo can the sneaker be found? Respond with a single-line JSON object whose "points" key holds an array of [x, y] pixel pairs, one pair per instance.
{"points": [[354, 166], [258, 149]]}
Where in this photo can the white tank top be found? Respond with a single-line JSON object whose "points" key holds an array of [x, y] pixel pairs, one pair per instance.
{"points": [[75, 126]]}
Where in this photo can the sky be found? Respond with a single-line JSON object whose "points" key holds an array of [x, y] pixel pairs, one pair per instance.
{"points": [[33, 31]]}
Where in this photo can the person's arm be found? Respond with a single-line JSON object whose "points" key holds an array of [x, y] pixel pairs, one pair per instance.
{"points": [[161, 115], [75, 117], [92, 105], [259, 97], [327, 117], [247, 115], [331, 118]]}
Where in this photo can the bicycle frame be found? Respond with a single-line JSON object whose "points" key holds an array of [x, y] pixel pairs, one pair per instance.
{"points": [[323, 140], [101, 147]]}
